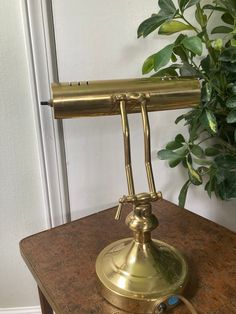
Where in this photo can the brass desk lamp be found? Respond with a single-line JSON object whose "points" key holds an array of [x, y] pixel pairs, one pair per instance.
{"points": [[138, 272]]}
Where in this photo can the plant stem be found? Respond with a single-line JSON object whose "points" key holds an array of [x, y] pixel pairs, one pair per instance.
{"points": [[210, 15], [197, 67], [207, 39], [196, 30]]}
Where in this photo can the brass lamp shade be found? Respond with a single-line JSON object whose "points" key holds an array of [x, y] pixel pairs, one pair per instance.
{"points": [[98, 98]]}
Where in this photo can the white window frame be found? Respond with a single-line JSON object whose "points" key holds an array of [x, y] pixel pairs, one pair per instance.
{"points": [[42, 64]]}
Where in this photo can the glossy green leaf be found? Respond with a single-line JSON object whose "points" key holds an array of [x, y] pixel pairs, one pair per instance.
{"points": [[194, 176], [184, 163], [167, 6], [171, 27], [191, 3], [179, 39], [229, 67], [206, 92], [181, 52], [197, 151], [193, 44], [173, 145], [226, 161], [165, 154], [202, 162], [148, 65], [231, 117], [210, 186], [201, 16], [213, 8], [173, 57], [182, 151], [179, 138], [169, 71], [220, 147], [211, 151], [221, 174], [228, 187], [231, 6], [182, 4], [205, 64], [233, 42], [183, 194], [174, 162], [163, 57], [209, 121], [233, 89], [234, 31], [231, 102], [193, 129], [188, 70], [227, 18], [228, 55], [152, 23], [180, 118], [221, 30]]}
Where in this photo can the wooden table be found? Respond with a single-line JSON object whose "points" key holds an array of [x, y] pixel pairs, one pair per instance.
{"points": [[62, 261]]}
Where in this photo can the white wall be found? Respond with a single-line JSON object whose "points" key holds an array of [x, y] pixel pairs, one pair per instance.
{"points": [[97, 40], [21, 199]]}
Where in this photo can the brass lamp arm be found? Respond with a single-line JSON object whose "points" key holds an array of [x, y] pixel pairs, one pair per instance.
{"points": [[126, 136], [147, 147], [144, 198]]}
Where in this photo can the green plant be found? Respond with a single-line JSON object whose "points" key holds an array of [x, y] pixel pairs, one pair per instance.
{"points": [[209, 152]]}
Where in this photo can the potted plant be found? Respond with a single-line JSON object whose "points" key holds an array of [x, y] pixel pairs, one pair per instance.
{"points": [[209, 152]]}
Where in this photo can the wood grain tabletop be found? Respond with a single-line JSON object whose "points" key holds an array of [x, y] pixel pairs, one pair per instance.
{"points": [[62, 260]]}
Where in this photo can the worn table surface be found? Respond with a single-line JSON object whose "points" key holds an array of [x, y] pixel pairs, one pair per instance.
{"points": [[62, 260]]}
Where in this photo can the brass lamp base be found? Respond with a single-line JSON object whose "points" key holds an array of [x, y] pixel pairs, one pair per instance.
{"points": [[134, 276], [138, 274]]}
